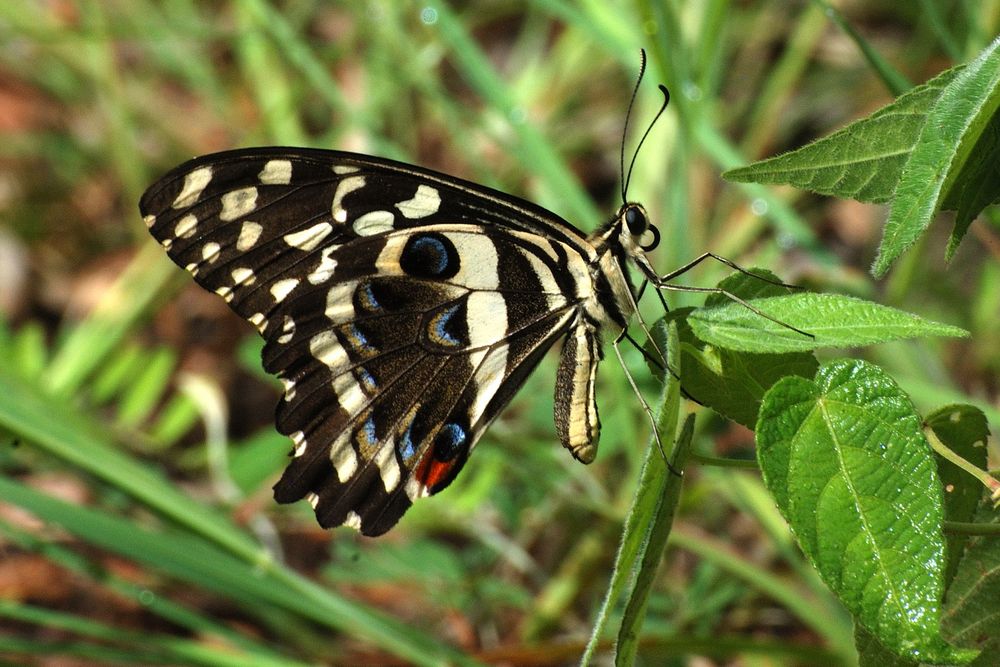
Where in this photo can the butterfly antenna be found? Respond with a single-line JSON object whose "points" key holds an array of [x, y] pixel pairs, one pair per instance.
{"points": [[663, 107], [628, 115]]}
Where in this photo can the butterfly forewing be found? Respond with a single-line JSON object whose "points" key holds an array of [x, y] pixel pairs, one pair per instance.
{"points": [[401, 308]]}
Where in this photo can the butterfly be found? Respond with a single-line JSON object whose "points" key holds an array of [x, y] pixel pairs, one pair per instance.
{"points": [[401, 308]]}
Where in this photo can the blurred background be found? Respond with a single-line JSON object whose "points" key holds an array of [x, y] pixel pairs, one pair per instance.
{"points": [[136, 441]]}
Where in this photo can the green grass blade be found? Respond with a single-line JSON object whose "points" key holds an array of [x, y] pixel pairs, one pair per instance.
{"points": [[891, 77], [89, 344], [533, 149], [197, 562], [145, 645], [69, 436]]}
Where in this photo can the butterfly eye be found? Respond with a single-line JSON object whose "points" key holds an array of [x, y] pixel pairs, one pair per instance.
{"points": [[635, 218]]}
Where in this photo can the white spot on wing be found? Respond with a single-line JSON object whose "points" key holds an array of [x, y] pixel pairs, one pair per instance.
{"points": [[374, 222], [349, 393], [414, 489], [352, 520], [344, 188], [425, 202], [480, 265], [299, 439], [150, 220], [312, 499], [287, 330], [238, 203], [210, 251], [194, 184], [486, 318], [186, 226], [388, 468], [249, 233], [488, 378], [344, 459], [226, 293], [324, 271], [345, 169], [282, 288], [326, 349], [276, 172], [192, 268], [289, 386], [244, 276], [259, 321], [339, 302], [308, 239]]}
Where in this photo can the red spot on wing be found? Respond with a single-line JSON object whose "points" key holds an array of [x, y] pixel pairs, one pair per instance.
{"points": [[430, 472]]}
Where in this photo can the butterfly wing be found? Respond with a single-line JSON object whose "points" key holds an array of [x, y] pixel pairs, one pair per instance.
{"points": [[401, 308]]}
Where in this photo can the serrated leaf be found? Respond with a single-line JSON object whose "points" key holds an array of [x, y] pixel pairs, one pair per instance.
{"points": [[862, 161], [845, 459], [832, 320], [963, 429], [954, 134], [977, 184]]}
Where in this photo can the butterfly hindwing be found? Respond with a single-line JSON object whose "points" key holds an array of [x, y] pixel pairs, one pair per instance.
{"points": [[401, 308]]}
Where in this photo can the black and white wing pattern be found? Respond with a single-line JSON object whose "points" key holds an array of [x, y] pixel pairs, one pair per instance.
{"points": [[401, 308]]}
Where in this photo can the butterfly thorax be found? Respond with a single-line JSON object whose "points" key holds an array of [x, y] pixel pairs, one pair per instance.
{"points": [[615, 245]]}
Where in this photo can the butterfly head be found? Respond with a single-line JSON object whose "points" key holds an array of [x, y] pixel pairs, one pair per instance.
{"points": [[635, 224], [636, 235]]}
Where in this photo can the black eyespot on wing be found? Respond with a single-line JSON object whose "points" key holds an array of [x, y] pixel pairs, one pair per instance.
{"points": [[430, 255], [450, 441], [447, 328], [636, 220], [366, 299]]}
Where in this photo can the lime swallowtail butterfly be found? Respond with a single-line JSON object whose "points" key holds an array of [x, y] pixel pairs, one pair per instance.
{"points": [[402, 309]]}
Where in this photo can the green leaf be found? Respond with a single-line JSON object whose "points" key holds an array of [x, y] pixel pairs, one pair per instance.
{"points": [[871, 652], [963, 429], [845, 459], [976, 186], [832, 320], [730, 382], [958, 130], [733, 383], [972, 610], [862, 161], [756, 283]]}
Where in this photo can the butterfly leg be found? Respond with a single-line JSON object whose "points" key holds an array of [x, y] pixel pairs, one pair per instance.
{"points": [[728, 262], [616, 344]]}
